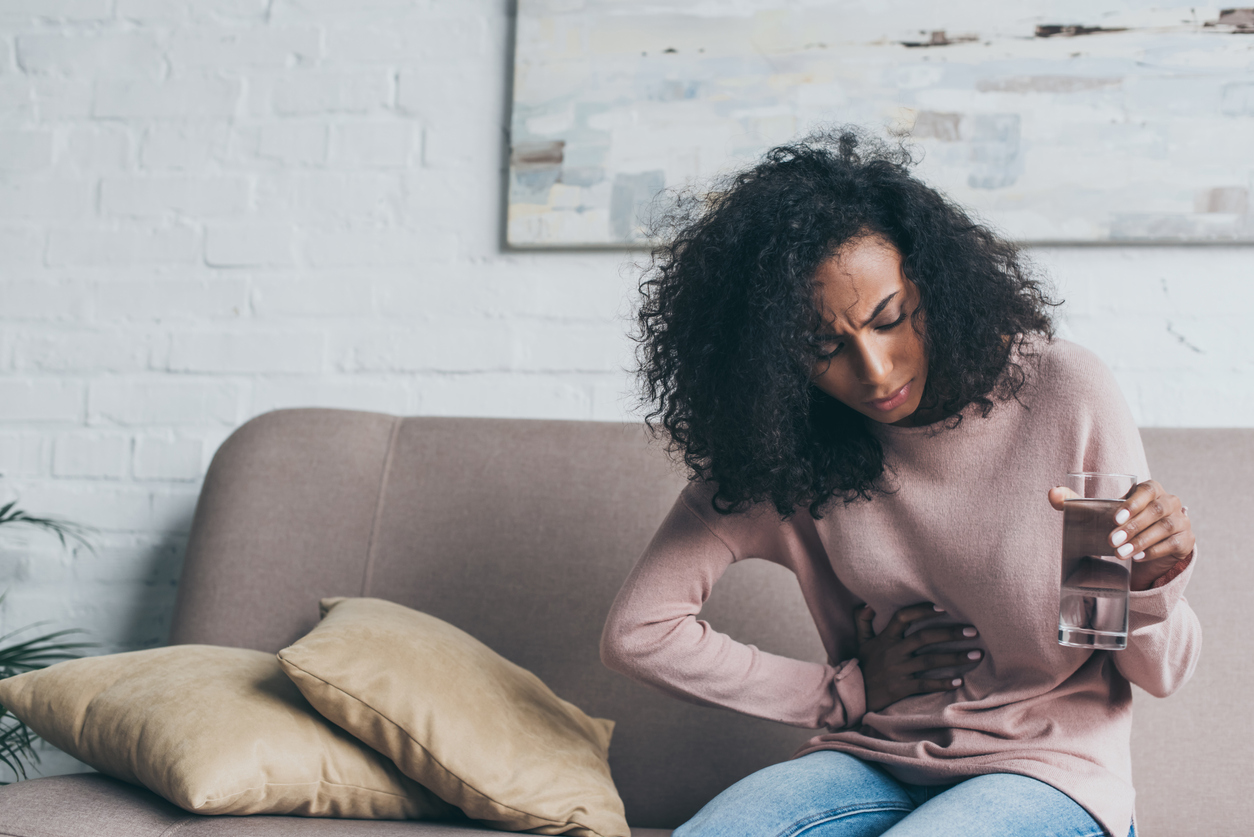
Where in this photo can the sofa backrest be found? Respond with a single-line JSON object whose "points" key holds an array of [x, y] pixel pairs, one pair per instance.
{"points": [[520, 532]]}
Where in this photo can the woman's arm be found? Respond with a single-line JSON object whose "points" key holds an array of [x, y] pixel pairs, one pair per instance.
{"points": [[1164, 636], [653, 635], [1155, 531]]}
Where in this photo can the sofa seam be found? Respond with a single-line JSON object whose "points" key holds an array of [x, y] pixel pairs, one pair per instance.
{"points": [[367, 575], [177, 826]]}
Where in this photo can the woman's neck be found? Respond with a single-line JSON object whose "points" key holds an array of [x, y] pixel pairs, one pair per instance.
{"points": [[929, 412]]}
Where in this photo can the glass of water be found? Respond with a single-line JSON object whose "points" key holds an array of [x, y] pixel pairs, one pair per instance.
{"points": [[1093, 602]]}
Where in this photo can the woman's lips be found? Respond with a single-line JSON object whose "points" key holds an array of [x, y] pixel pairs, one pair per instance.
{"points": [[893, 401]]}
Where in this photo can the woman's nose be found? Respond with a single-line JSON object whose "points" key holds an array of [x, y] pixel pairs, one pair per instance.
{"points": [[875, 366]]}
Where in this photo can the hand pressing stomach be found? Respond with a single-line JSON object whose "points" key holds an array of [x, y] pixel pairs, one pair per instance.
{"points": [[910, 657]]}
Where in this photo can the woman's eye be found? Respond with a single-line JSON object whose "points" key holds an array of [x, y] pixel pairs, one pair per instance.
{"points": [[893, 324], [827, 350]]}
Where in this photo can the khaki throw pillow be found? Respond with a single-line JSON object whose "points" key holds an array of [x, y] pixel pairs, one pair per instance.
{"points": [[215, 731], [483, 733]]}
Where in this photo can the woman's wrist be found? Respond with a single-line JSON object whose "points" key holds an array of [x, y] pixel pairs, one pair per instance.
{"points": [[1175, 570]]}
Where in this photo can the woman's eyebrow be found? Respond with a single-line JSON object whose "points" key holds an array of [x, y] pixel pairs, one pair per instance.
{"points": [[879, 309]]}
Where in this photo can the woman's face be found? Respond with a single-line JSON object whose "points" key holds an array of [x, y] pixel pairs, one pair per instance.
{"points": [[871, 355]]}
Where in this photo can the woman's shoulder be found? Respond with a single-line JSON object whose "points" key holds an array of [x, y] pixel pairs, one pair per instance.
{"points": [[1060, 374], [1058, 365], [698, 496], [749, 531]]}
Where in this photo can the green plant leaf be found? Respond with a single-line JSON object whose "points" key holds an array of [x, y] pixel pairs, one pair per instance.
{"points": [[17, 745], [20, 655], [39, 651], [65, 530]]}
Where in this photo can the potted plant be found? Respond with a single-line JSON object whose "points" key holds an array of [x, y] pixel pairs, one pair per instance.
{"points": [[21, 652]]}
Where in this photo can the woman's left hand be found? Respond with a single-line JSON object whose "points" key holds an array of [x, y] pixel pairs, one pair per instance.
{"points": [[1152, 527]]}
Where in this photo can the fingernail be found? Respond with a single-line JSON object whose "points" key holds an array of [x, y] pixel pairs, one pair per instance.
{"points": [[1140, 556], [1119, 537], [969, 632], [1125, 550], [974, 655], [1122, 516], [957, 681], [938, 608]]}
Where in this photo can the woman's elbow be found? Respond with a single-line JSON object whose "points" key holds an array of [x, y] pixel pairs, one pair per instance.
{"points": [[615, 651], [631, 648], [1168, 685], [1168, 679]]}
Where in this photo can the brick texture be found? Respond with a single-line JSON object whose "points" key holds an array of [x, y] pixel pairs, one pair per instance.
{"points": [[214, 208]]}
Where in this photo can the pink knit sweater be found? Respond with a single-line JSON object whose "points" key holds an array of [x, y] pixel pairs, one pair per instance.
{"points": [[968, 527]]}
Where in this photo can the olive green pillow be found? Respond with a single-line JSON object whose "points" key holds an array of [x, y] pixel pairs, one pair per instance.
{"points": [[215, 731], [483, 733]]}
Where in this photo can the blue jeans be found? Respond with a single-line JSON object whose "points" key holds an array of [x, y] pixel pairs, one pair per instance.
{"points": [[832, 794]]}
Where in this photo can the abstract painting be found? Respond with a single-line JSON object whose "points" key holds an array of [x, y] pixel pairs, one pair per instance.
{"points": [[1097, 121]]}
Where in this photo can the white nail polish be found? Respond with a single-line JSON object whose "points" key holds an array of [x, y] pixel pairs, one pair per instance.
{"points": [[1119, 537], [974, 655], [957, 681], [1140, 556], [1121, 517], [969, 632], [1125, 550]]}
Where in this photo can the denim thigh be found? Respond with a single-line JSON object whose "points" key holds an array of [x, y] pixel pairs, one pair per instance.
{"points": [[998, 805], [823, 794]]}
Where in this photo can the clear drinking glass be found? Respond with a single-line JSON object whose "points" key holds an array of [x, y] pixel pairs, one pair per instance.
{"points": [[1093, 602]]}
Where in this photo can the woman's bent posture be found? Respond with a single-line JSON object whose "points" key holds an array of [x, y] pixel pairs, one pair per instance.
{"points": [[864, 384]]}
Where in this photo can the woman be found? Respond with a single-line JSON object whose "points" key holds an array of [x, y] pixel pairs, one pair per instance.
{"points": [[865, 386]]}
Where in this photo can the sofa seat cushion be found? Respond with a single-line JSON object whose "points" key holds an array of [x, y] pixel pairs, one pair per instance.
{"points": [[92, 805]]}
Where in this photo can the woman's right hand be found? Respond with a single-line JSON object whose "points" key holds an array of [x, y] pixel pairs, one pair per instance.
{"points": [[892, 661]]}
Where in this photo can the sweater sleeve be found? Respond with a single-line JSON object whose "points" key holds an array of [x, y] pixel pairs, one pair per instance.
{"points": [[653, 635], [1164, 635]]}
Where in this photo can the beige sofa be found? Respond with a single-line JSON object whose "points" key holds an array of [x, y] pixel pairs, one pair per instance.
{"points": [[520, 532]]}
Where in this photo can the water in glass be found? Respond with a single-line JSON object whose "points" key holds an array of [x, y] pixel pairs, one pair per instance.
{"points": [[1093, 612]]}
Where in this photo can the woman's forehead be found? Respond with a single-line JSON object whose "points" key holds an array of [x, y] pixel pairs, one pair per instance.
{"points": [[852, 283]]}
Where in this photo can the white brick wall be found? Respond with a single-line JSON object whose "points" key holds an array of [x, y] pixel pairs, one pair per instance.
{"points": [[91, 454], [161, 456], [214, 208]]}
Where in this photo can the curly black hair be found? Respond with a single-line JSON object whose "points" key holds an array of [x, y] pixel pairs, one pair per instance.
{"points": [[729, 310]]}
